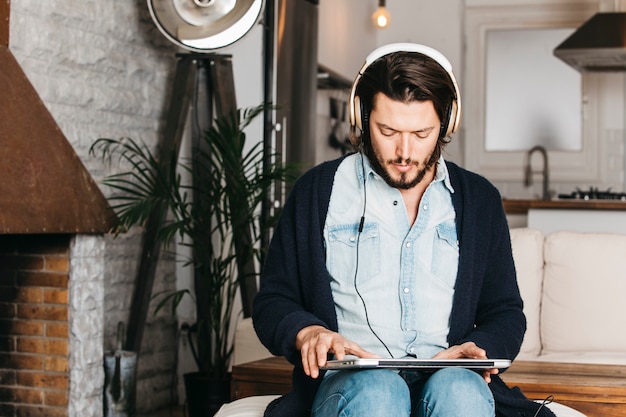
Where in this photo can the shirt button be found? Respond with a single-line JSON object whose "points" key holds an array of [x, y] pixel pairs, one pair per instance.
{"points": [[395, 202], [408, 244], [352, 238], [412, 350], [425, 206], [406, 290]]}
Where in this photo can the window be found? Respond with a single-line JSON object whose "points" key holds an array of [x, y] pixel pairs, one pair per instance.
{"points": [[532, 97], [499, 42]]}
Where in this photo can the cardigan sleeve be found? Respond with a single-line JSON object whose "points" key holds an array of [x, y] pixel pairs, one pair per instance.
{"points": [[295, 286]]}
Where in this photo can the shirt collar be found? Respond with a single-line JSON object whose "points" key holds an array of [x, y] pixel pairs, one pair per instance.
{"points": [[363, 166], [442, 174]]}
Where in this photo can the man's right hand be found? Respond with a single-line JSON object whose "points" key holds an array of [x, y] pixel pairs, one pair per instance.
{"points": [[315, 342]]}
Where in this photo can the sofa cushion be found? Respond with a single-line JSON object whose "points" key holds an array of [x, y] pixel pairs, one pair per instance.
{"points": [[583, 305], [528, 255], [561, 410], [247, 407], [247, 347]]}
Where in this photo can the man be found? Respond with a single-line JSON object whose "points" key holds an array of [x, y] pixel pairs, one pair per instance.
{"points": [[394, 252]]}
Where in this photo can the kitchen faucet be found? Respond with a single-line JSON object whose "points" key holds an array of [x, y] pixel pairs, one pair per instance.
{"points": [[528, 177]]}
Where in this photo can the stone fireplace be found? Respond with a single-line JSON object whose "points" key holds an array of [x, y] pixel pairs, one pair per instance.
{"points": [[114, 89], [53, 218]]}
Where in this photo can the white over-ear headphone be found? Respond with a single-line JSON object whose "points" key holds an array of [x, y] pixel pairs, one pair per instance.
{"points": [[356, 109]]}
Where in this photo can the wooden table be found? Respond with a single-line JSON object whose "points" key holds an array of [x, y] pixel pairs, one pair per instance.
{"points": [[595, 390], [262, 377]]}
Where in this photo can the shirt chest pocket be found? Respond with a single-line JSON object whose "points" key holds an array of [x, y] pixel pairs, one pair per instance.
{"points": [[346, 246], [445, 257]]}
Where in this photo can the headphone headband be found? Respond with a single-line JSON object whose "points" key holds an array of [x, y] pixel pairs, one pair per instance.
{"points": [[356, 116]]}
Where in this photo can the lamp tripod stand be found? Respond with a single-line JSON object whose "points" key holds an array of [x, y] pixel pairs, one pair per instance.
{"points": [[205, 83]]}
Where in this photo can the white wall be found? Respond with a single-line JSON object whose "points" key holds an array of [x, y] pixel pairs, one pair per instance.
{"points": [[346, 34], [436, 24], [248, 73]]}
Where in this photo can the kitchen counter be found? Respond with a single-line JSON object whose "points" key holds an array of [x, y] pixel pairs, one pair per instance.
{"points": [[515, 206]]}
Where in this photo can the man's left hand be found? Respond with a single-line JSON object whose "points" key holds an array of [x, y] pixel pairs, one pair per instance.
{"points": [[468, 350]]}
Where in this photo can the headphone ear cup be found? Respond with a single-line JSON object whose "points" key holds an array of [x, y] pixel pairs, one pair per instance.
{"points": [[365, 119], [356, 105], [453, 118]]}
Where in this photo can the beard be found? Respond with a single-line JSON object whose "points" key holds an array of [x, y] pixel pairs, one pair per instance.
{"points": [[404, 182]]}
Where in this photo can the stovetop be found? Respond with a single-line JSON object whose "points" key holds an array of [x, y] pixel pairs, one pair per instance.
{"points": [[593, 193]]}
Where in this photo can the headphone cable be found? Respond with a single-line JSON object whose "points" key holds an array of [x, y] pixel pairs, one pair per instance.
{"points": [[356, 269]]}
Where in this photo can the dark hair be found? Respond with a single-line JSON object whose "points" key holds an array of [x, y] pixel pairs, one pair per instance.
{"points": [[406, 77]]}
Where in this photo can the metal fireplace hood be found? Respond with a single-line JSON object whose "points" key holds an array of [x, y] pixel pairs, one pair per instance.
{"points": [[599, 45], [44, 187]]}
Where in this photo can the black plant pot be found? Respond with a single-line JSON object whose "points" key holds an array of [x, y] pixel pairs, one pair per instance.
{"points": [[205, 394]]}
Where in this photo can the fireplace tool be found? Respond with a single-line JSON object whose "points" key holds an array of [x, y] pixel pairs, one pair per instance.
{"points": [[120, 370]]}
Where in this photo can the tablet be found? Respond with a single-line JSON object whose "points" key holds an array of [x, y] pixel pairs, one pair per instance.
{"points": [[414, 363]]}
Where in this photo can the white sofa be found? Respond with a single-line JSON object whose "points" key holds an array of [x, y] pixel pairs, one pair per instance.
{"points": [[574, 291]]}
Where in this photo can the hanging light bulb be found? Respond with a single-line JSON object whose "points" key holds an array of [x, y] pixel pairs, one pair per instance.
{"points": [[381, 16]]}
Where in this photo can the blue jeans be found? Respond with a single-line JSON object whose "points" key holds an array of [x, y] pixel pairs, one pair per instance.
{"points": [[450, 392]]}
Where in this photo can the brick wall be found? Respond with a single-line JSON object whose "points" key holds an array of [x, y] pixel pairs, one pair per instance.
{"points": [[34, 374]]}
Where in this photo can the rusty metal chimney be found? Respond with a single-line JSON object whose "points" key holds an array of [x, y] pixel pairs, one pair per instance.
{"points": [[44, 187]]}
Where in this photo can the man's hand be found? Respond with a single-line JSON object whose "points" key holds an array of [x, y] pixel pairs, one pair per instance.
{"points": [[468, 350], [315, 342]]}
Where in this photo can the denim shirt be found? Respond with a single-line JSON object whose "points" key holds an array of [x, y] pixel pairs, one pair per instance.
{"points": [[399, 278]]}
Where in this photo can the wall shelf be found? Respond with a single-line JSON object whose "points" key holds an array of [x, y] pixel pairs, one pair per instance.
{"points": [[328, 79]]}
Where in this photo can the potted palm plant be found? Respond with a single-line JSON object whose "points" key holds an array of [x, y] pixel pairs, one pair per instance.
{"points": [[217, 214]]}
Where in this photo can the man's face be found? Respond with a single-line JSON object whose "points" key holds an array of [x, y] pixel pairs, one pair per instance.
{"points": [[403, 138]]}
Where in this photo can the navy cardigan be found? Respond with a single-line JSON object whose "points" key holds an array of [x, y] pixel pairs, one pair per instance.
{"points": [[295, 284]]}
